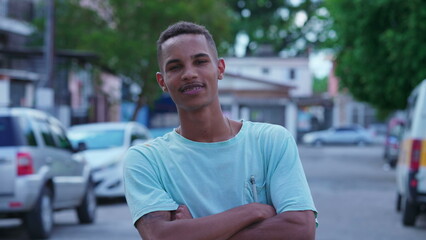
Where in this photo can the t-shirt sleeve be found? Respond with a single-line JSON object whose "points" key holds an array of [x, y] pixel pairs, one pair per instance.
{"points": [[289, 188], [143, 189]]}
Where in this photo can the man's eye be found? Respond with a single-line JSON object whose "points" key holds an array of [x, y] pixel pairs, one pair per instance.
{"points": [[174, 67], [201, 61]]}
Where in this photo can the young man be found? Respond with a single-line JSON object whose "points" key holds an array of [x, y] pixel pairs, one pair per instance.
{"points": [[212, 177]]}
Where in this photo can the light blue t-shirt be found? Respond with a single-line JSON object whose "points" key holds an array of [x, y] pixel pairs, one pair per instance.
{"points": [[210, 178]]}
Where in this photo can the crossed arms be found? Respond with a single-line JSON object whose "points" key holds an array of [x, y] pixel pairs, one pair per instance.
{"points": [[250, 221]]}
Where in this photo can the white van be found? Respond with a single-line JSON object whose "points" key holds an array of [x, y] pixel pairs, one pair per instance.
{"points": [[411, 167]]}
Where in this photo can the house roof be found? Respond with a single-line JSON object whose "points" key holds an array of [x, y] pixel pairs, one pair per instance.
{"points": [[16, 26], [250, 87], [66, 53], [20, 74], [258, 80]]}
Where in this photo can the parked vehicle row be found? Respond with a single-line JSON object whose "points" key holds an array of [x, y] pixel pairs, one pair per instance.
{"points": [[41, 172]]}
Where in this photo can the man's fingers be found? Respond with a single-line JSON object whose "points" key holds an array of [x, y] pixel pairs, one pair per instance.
{"points": [[182, 212]]}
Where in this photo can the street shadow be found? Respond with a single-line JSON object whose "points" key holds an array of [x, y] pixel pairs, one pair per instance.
{"points": [[12, 229], [111, 201], [421, 222]]}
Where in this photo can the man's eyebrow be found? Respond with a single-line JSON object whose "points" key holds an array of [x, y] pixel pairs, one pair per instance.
{"points": [[200, 55], [171, 61]]}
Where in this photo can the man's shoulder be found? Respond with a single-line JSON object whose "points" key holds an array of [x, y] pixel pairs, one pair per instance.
{"points": [[158, 142], [153, 146], [266, 128]]}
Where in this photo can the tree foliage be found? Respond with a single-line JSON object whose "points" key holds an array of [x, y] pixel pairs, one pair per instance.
{"points": [[287, 27], [124, 33], [380, 48], [320, 84]]}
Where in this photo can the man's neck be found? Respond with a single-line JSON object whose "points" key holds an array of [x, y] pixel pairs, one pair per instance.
{"points": [[206, 126]]}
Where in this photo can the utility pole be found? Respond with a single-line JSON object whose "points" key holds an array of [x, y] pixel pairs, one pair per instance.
{"points": [[49, 44], [45, 89]]}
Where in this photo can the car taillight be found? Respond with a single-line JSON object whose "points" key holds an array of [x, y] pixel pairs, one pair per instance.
{"points": [[416, 148], [24, 164]]}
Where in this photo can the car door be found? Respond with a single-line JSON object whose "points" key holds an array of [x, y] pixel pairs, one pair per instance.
{"points": [[48, 157], [342, 135], [69, 167]]}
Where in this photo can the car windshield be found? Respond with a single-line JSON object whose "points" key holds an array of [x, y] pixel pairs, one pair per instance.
{"points": [[97, 139]]}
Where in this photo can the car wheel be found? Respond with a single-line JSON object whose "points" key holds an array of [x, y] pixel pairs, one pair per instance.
{"points": [[361, 143], [392, 163], [409, 213], [39, 221], [318, 143], [398, 202], [87, 210]]}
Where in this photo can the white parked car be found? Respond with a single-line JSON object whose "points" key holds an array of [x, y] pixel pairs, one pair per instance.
{"points": [[341, 135], [106, 143]]}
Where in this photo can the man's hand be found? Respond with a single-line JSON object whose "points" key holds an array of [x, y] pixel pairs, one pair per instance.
{"points": [[181, 213], [292, 225], [265, 211], [221, 226]]}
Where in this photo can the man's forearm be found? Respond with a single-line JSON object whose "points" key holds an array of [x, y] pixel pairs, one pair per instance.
{"points": [[218, 226], [297, 225]]}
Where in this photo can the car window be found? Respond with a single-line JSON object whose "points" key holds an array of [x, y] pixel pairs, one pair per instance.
{"points": [[60, 137], [410, 112], [16, 131], [8, 137], [97, 139], [28, 132], [343, 130], [45, 132]]}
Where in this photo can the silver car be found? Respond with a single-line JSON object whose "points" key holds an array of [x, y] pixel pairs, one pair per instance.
{"points": [[106, 144], [40, 171], [341, 135]]}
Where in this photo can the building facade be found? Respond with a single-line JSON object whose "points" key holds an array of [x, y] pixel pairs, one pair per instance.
{"points": [[266, 89], [79, 91]]}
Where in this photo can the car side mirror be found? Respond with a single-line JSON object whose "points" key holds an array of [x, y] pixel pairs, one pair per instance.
{"points": [[81, 146]]}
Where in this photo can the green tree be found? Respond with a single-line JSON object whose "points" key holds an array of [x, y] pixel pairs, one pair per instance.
{"points": [[380, 48], [292, 27], [320, 84], [124, 33]]}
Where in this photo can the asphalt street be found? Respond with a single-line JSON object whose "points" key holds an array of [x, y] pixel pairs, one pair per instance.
{"points": [[353, 190]]}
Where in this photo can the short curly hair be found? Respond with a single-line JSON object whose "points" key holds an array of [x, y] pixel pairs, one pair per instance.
{"points": [[183, 27]]}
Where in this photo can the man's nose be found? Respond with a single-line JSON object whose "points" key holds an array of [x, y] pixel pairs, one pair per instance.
{"points": [[189, 73]]}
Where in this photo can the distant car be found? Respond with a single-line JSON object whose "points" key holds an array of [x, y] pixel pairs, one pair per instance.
{"points": [[106, 144], [40, 171], [392, 140], [378, 132], [341, 135]]}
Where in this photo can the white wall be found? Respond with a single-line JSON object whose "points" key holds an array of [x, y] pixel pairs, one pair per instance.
{"points": [[275, 70], [4, 92]]}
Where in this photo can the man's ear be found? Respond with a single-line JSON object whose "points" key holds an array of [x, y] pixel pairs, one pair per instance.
{"points": [[221, 68], [160, 81]]}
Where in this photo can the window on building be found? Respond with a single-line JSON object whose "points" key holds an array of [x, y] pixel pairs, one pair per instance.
{"points": [[17, 93], [3, 8], [265, 70], [292, 74]]}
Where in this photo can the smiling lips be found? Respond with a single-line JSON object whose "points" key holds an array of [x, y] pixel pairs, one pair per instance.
{"points": [[191, 88]]}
